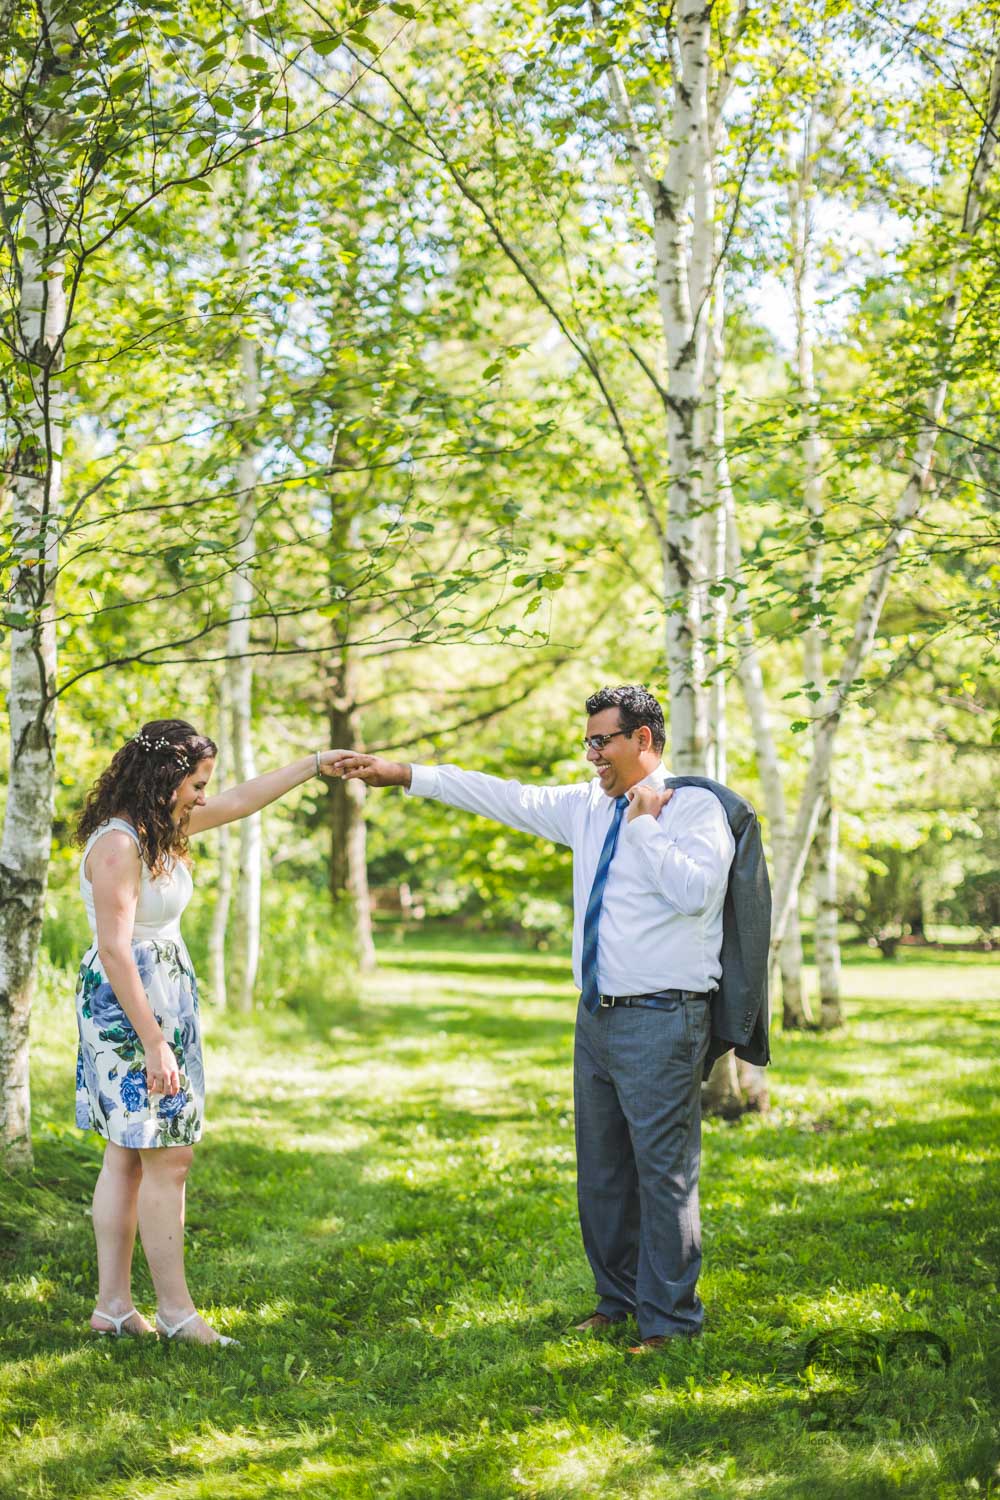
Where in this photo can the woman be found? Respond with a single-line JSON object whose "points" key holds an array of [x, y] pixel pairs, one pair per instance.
{"points": [[139, 1080]]}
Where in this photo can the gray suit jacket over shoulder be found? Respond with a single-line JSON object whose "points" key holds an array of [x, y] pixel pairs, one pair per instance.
{"points": [[739, 1005]]}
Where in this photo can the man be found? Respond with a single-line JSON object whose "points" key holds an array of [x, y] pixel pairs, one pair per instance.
{"points": [[650, 869]]}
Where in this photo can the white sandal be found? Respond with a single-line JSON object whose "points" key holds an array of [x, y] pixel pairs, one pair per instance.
{"points": [[168, 1331], [117, 1329]]}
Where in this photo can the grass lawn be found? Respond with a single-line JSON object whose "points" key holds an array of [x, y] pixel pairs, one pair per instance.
{"points": [[383, 1212]]}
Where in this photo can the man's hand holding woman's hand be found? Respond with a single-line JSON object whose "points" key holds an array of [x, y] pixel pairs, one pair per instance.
{"points": [[646, 799], [351, 765]]}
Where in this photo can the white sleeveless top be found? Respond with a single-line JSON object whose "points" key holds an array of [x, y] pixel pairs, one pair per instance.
{"points": [[161, 901]]}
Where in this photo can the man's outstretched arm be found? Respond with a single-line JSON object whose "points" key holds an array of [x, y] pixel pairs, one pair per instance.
{"points": [[548, 811]]}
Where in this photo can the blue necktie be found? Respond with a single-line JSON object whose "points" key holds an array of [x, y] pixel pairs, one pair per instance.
{"points": [[591, 994]]}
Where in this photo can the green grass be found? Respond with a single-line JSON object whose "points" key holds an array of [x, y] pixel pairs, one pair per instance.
{"points": [[383, 1211]]}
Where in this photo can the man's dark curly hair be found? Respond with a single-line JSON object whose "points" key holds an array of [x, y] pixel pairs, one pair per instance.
{"points": [[635, 707], [140, 783]]}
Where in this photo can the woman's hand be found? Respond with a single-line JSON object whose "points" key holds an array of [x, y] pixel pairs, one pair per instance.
{"points": [[162, 1073], [327, 761]]}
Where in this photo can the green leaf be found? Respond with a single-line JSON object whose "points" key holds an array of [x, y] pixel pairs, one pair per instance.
{"points": [[123, 46], [126, 82]]}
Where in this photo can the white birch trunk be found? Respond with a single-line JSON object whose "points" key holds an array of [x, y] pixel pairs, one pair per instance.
{"points": [[800, 223], [245, 934], [733, 1086], [683, 267], [680, 268], [224, 889], [36, 495], [827, 916], [718, 488], [786, 955]]}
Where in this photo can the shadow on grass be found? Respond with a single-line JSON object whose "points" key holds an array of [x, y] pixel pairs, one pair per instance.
{"points": [[362, 1027], [404, 1301], [510, 968], [343, 1435]]}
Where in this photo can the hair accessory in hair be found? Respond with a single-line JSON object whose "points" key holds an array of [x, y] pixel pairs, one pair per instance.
{"points": [[145, 743]]}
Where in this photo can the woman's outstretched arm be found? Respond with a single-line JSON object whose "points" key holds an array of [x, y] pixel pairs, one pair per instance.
{"points": [[250, 796]]}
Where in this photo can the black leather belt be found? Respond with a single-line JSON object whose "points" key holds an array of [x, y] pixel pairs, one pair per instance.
{"points": [[656, 998]]}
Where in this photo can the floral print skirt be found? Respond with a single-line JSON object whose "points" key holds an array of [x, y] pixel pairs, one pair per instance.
{"points": [[111, 1093]]}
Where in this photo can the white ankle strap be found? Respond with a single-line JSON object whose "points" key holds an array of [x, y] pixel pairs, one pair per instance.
{"points": [[170, 1331]]}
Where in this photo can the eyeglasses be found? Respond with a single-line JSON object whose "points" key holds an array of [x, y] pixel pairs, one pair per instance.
{"points": [[598, 741]]}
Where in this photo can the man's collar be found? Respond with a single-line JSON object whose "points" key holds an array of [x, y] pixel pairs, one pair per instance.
{"points": [[656, 777]]}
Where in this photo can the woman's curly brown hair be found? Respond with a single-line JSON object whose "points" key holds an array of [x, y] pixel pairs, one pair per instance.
{"points": [[140, 783]]}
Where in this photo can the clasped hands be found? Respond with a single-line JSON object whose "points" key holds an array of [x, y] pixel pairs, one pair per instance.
{"points": [[353, 765]]}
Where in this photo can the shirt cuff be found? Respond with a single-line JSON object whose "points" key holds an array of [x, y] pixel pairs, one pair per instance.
{"points": [[424, 782]]}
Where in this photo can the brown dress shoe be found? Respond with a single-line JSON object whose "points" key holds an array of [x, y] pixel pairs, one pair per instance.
{"points": [[655, 1341], [596, 1323]]}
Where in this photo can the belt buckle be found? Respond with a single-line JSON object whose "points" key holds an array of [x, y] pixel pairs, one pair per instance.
{"points": [[607, 1002]]}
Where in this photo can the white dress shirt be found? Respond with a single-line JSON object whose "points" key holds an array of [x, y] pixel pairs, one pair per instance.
{"points": [[661, 920]]}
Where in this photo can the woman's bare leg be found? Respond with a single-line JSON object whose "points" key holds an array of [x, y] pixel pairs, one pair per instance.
{"points": [[161, 1225], [115, 1208]]}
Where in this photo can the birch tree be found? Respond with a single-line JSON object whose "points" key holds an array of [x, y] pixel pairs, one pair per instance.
{"points": [[800, 211], [687, 70], [244, 938], [831, 710], [681, 203], [224, 884], [96, 137], [37, 336]]}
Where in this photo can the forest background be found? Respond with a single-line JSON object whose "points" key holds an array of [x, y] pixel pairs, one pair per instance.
{"points": [[395, 375]]}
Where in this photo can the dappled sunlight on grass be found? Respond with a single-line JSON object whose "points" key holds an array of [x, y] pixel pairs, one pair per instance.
{"points": [[383, 1211]]}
